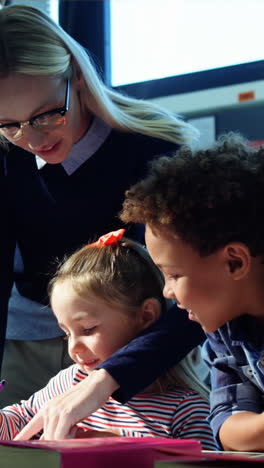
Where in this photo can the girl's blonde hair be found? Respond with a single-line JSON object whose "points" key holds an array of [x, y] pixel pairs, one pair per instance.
{"points": [[33, 44], [123, 275], [120, 274]]}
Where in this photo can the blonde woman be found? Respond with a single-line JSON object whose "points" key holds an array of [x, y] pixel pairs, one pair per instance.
{"points": [[70, 147]]}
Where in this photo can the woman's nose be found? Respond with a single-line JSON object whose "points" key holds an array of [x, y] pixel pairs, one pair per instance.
{"points": [[35, 138]]}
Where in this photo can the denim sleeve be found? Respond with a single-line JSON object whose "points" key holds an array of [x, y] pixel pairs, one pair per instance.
{"points": [[232, 391], [153, 352]]}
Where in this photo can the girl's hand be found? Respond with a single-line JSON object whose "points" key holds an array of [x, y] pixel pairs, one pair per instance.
{"points": [[59, 416]]}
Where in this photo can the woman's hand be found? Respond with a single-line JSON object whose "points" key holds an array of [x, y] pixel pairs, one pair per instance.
{"points": [[60, 415]]}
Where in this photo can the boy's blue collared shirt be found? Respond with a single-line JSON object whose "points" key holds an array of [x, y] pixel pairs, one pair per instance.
{"points": [[235, 354]]}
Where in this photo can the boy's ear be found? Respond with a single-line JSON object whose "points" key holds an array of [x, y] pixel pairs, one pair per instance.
{"points": [[150, 312], [238, 260]]}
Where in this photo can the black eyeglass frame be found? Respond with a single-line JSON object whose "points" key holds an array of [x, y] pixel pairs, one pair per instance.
{"points": [[59, 110]]}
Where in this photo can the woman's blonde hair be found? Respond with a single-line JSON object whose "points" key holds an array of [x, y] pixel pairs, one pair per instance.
{"points": [[33, 44]]}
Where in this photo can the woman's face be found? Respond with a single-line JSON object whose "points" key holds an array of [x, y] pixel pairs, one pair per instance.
{"points": [[23, 97]]}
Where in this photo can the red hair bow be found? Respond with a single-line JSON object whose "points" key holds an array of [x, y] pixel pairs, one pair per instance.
{"points": [[110, 238]]}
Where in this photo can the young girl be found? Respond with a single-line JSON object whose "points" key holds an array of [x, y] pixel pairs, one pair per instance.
{"points": [[103, 296]]}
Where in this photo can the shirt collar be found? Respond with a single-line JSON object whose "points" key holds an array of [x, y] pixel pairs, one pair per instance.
{"points": [[84, 148]]}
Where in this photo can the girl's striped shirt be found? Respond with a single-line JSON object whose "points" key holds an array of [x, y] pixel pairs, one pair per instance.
{"points": [[178, 413]]}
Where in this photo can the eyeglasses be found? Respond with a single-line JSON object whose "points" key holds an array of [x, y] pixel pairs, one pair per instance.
{"points": [[45, 121]]}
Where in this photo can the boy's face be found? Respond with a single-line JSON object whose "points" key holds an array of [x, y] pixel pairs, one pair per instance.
{"points": [[201, 285]]}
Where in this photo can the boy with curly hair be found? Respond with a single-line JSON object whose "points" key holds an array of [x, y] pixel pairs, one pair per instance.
{"points": [[204, 217]]}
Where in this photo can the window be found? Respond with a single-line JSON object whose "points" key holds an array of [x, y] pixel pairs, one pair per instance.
{"points": [[153, 39], [192, 56]]}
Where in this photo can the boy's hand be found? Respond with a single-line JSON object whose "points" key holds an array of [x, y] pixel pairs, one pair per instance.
{"points": [[59, 416]]}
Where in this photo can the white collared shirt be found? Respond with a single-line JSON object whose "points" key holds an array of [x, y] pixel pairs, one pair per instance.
{"points": [[84, 148]]}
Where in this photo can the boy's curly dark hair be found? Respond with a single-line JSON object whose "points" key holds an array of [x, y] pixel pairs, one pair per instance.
{"points": [[207, 197]]}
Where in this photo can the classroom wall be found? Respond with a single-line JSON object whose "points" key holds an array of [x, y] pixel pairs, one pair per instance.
{"points": [[232, 108]]}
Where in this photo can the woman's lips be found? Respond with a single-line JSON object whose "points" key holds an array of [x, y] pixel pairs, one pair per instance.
{"points": [[49, 150]]}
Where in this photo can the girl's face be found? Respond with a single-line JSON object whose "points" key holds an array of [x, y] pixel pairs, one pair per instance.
{"points": [[201, 285], [23, 97], [94, 330]]}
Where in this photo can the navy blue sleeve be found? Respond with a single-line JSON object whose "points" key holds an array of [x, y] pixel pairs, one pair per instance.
{"points": [[153, 352], [7, 243]]}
